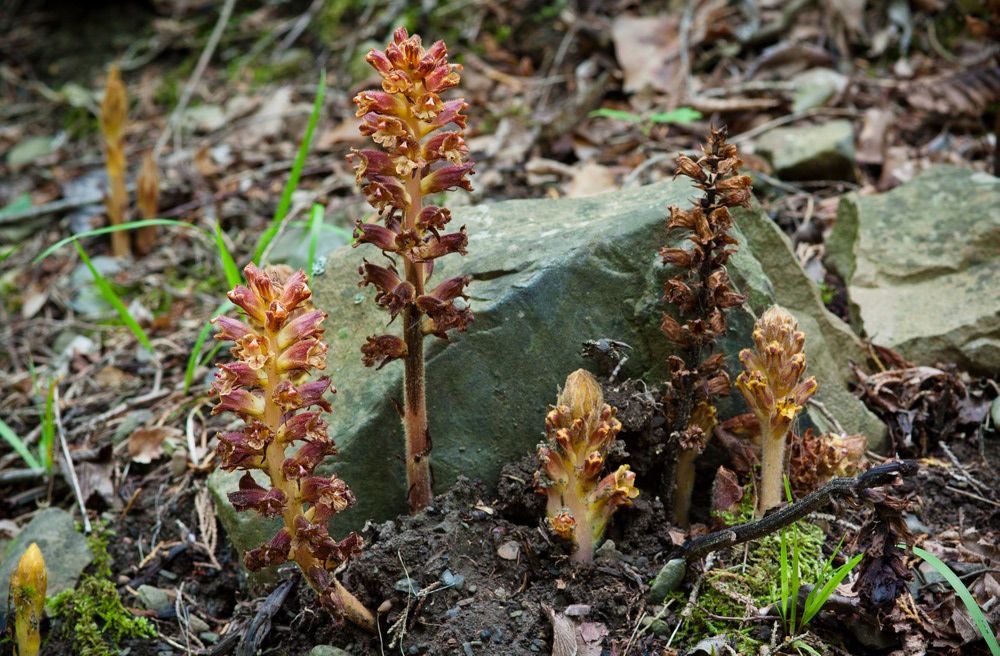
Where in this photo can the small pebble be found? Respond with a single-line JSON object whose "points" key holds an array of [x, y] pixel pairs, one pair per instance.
{"points": [[496, 634], [451, 613], [467, 648], [413, 651], [516, 614], [448, 578], [484, 634], [168, 575], [208, 637], [473, 588]]}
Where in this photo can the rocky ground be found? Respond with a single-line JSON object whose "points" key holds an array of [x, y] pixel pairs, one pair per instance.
{"points": [[869, 136]]}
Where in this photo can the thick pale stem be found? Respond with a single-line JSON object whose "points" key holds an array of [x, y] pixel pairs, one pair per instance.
{"points": [[418, 443], [772, 470], [117, 199], [685, 486]]}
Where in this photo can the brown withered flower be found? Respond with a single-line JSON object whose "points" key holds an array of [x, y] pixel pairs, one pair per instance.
{"points": [[882, 575], [423, 153], [268, 387], [814, 460], [701, 293], [113, 116]]}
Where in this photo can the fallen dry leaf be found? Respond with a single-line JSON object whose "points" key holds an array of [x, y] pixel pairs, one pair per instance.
{"points": [[647, 49], [146, 444], [589, 180]]}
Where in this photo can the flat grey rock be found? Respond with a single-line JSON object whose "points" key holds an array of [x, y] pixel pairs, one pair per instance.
{"points": [[810, 152], [64, 549]]}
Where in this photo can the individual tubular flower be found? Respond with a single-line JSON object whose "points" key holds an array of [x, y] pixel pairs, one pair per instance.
{"points": [[579, 431], [771, 385], [114, 113], [406, 118], [147, 196], [267, 388], [701, 293], [27, 600]]}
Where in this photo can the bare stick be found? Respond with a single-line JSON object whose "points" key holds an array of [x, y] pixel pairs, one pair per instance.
{"points": [[74, 481], [206, 56], [838, 487]]}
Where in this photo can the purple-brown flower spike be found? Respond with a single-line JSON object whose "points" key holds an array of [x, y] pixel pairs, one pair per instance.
{"points": [[423, 138], [28, 581], [771, 385], [579, 429], [701, 294], [274, 351]]}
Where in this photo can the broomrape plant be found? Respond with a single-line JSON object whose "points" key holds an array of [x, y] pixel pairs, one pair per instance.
{"points": [[266, 387], [26, 600], [420, 158], [579, 430]]}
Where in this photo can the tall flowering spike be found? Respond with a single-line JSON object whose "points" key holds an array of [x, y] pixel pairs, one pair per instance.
{"points": [[28, 581], [114, 114], [418, 158], [772, 385], [701, 294], [278, 345], [579, 430], [147, 197]]}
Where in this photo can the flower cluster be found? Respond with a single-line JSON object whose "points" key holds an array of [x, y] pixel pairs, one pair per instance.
{"points": [[419, 159], [579, 431], [701, 292], [267, 386], [771, 385], [28, 581], [423, 153]]}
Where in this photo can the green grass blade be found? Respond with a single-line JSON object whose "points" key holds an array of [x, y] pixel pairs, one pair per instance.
{"points": [[228, 264], [111, 297], [10, 251], [193, 359], [679, 116], [16, 443], [293, 178], [619, 114], [966, 597], [132, 225], [315, 227], [783, 571], [48, 430], [818, 599]]}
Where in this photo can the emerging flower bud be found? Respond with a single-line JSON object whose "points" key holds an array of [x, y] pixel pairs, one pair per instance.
{"points": [[28, 581]]}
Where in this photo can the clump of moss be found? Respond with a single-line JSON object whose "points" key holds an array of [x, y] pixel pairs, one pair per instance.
{"points": [[93, 610], [728, 591]]}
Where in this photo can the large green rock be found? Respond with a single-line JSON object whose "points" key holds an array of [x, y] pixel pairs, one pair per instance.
{"points": [[546, 276], [922, 265]]}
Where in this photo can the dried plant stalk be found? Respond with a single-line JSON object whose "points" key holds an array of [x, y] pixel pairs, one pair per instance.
{"points": [[114, 114], [407, 118], [267, 388], [147, 194], [701, 293], [579, 430]]}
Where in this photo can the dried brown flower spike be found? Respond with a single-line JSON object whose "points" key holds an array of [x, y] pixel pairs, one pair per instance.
{"points": [[701, 293], [770, 385], [265, 388], [419, 160], [114, 113], [578, 432], [147, 197]]}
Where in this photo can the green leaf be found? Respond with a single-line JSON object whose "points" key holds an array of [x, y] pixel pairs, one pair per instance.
{"points": [[293, 178], [48, 429], [232, 272], [20, 203], [131, 225], [619, 114], [192, 363], [315, 226], [16, 443], [816, 600], [963, 593], [679, 116], [111, 297]]}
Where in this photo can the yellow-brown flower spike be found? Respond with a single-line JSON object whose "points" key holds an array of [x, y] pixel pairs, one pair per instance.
{"points": [[114, 114], [268, 388], [813, 459], [423, 153], [147, 195], [579, 430], [771, 385], [26, 604], [701, 294]]}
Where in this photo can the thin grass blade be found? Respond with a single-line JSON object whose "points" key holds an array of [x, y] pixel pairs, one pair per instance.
{"points": [[131, 225], [228, 264], [193, 359], [293, 178], [16, 443], [111, 297], [315, 227]]}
